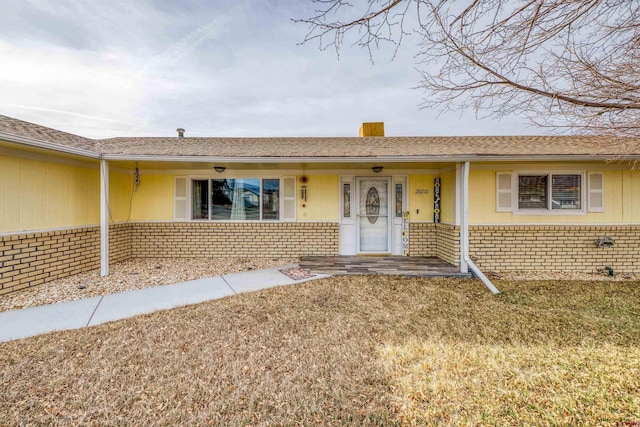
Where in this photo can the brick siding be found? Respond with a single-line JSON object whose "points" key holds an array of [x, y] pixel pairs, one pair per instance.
{"points": [[30, 259], [422, 239], [447, 243], [206, 239], [552, 248], [119, 242]]}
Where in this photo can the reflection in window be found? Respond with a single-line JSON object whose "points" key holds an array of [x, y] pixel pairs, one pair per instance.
{"points": [[346, 200], [271, 199], [552, 191], [565, 191], [236, 199], [398, 200], [200, 200], [532, 191]]}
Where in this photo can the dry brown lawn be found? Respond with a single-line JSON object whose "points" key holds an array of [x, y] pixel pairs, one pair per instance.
{"points": [[364, 350]]}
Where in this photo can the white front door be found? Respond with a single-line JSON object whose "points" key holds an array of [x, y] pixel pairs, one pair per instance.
{"points": [[373, 210]]}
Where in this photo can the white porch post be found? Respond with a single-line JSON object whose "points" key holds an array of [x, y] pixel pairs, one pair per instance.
{"points": [[104, 218], [464, 217], [456, 200]]}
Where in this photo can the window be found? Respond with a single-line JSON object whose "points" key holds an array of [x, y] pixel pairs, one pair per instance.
{"points": [[532, 192], [271, 199], [200, 200], [565, 191], [398, 200], [346, 200], [249, 199], [549, 192]]}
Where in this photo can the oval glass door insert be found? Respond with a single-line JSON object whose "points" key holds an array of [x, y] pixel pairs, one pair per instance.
{"points": [[373, 205]]}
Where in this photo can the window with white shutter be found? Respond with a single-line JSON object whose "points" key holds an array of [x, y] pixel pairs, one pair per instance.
{"points": [[549, 192]]}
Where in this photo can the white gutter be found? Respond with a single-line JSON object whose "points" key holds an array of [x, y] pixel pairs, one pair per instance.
{"points": [[48, 145], [397, 159], [465, 260]]}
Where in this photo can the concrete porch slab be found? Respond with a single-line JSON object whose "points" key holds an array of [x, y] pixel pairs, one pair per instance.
{"points": [[397, 265]]}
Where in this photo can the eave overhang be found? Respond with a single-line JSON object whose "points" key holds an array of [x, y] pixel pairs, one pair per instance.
{"points": [[33, 142]]}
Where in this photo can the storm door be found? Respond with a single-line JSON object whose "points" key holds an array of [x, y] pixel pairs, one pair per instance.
{"points": [[372, 214]]}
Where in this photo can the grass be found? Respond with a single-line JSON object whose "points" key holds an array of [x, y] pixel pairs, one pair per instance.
{"points": [[363, 350]]}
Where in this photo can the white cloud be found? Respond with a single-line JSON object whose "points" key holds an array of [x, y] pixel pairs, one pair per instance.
{"points": [[230, 68]]}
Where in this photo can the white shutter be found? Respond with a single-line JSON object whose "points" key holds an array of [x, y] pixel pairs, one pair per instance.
{"points": [[180, 198], [289, 198], [504, 197], [595, 202]]}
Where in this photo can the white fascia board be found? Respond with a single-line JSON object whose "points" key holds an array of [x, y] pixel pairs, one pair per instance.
{"points": [[396, 159], [48, 145]]}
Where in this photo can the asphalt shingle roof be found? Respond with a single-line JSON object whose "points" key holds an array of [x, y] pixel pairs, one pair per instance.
{"points": [[331, 147], [42, 133], [371, 146]]}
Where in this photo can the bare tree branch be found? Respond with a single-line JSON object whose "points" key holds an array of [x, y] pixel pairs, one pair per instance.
{"points": [[570, 64]]}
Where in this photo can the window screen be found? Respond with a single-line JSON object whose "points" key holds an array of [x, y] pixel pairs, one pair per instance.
{"points": [[566, 191]]}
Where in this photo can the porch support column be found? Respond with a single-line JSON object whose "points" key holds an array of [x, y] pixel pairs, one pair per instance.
{"points": [[464, 216], [456, 200], [104, 218]]}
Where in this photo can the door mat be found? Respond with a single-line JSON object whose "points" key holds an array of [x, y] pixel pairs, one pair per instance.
{"points": [[297, 273]]}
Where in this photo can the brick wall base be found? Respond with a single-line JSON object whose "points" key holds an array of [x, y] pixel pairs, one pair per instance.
{"points": [[448, 243], [422, 239], [261, 240], [553, 248], [31, 259]]}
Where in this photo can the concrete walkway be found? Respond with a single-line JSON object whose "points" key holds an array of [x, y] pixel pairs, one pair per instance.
{"points": [[94, 311]]}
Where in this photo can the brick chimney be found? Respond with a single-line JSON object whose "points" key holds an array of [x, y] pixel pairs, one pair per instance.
{"points": [[180, 132], [372, 129]]}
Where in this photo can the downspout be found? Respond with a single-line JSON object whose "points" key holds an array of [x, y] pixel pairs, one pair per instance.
{"points": [[465, 260], [104, 218]]}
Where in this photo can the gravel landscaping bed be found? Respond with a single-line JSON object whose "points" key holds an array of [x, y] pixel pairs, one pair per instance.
{"points": [[136, 273], [139, 273]]}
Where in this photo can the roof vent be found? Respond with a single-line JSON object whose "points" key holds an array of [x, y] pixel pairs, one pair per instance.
{"points": [[180, 132]]}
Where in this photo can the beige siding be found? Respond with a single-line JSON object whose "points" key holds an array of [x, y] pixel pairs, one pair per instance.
{"points": [[40, 195]]}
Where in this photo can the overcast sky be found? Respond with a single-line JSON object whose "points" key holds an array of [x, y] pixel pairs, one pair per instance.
{"points": [[217, 68]]}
